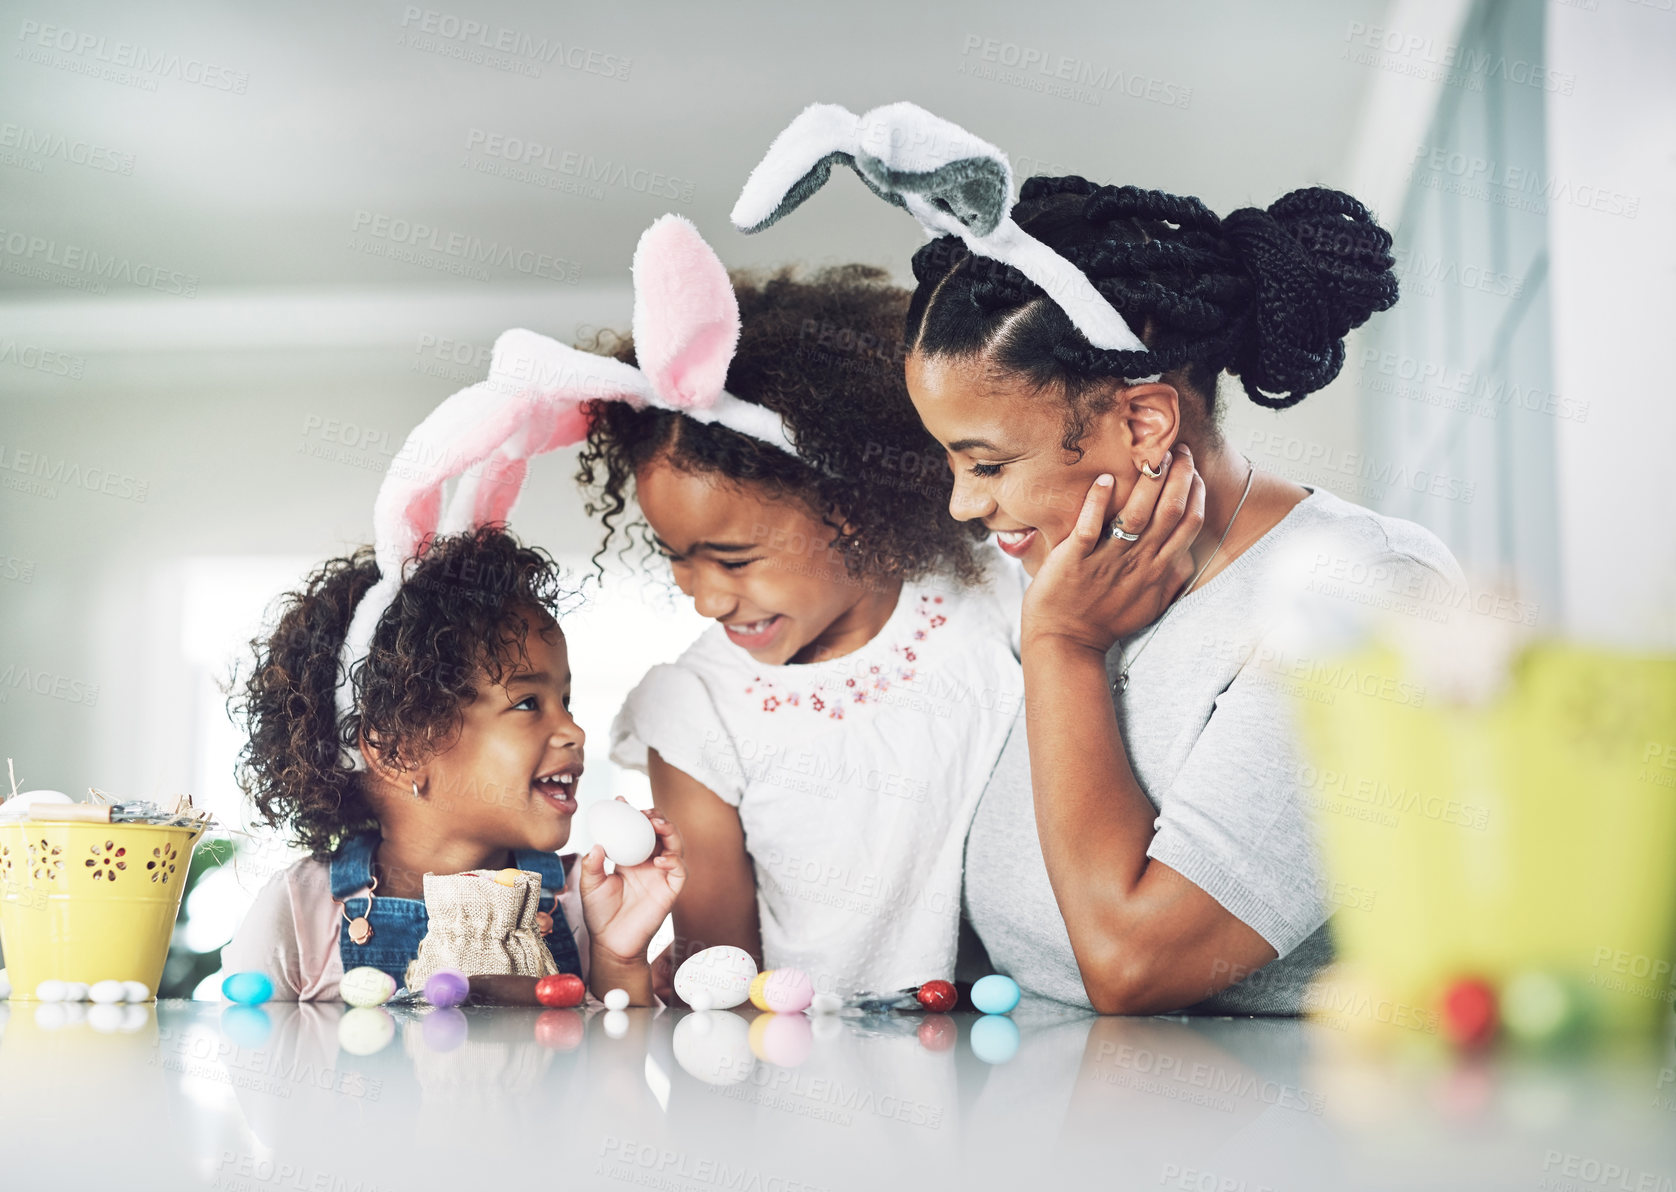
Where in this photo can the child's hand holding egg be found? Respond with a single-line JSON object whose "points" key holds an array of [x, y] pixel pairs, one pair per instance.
{"points": [[625, 908]]}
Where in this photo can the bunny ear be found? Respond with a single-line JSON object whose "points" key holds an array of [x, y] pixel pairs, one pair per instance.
{"points": [[686, 318]]}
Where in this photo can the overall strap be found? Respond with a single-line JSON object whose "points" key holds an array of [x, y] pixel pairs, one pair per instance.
{"points": [[398, 924]]}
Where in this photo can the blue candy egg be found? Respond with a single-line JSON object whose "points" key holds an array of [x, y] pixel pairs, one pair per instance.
{"points": [[995, 994], [248, 989], [994, 1038]]}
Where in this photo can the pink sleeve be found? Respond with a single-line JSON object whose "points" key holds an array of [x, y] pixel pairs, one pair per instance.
{"points": [[291, 934], [570, 902]]}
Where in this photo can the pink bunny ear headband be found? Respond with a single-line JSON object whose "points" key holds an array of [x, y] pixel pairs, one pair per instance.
{"points": [[952, 182], [686, 327]]}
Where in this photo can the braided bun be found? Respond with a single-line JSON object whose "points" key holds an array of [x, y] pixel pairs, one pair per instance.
{"points": [[1267, 295]]}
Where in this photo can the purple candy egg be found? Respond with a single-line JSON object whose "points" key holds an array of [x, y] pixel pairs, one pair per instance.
{"points": [[445, 988]]}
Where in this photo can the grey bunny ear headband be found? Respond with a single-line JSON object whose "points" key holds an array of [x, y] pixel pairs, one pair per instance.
{"points": [[953, 183]]}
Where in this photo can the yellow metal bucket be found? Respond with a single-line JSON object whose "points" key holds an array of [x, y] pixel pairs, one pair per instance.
{"points": [[89, 902]]}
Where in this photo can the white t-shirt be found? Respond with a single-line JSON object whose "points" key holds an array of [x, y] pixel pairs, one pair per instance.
{"points": [[855, 777]]}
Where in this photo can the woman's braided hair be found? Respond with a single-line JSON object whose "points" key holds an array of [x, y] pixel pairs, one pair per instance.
{"points": [[1266, 295]]}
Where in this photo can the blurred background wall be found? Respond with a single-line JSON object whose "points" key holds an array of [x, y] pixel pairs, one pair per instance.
{"points": [[243, 250]]}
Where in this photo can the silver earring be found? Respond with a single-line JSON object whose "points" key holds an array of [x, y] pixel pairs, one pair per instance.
{"points": [[416, 791], [1149, 473]]}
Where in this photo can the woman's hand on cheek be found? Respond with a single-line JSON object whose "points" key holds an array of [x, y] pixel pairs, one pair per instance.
{"points": [[1093, 589], [625, 908]]}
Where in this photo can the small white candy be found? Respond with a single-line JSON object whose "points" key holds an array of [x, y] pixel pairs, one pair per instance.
{"points": [[826, 1003], [106, 1018], [616, 1024], [135, 991], [75, 991], [51, 990], [106, 993], [616, 999], [622, 831], [5, 986]]}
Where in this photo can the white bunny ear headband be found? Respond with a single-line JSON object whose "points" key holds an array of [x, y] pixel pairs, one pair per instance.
{"points": [[951, 181], [686, 327]]}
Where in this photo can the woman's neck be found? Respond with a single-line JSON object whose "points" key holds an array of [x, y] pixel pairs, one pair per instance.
{"points": [[408, 852], [1225, 472]]}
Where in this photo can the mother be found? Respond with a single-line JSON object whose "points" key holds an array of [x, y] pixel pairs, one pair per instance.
{"points": [[1145, 845]]}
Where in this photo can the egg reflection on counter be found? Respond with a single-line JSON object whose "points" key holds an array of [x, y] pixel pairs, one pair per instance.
{"points": [[783, 1040], [714, 1046], [366, 1030]]}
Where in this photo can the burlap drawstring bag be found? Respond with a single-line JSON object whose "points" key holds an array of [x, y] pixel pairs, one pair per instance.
{"points": [[481, 928]]}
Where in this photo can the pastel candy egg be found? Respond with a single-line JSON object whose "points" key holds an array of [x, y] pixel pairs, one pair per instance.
{"points": [[788, 991], [51, 991], [722, 974], [994, 1038], [714, 1046], [367, 986], [616, 999], [755, 992], [248, 989], [445, 988], [1536, 1007], [624, 833], [995, 994], [366, 1030], [106, 993], [509, 877], [135, 991]]}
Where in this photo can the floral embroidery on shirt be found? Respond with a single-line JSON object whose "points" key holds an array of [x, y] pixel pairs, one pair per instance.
{"points": [[829, 697]]}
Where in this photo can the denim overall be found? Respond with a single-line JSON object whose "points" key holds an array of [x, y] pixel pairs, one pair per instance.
{"points": [[398, 924]]}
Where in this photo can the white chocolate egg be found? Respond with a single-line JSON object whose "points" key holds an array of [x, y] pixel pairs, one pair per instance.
{"points": [[714, 1046], [721, 976], [366, 986], [52, 991], [623, 831], [106, 993]]}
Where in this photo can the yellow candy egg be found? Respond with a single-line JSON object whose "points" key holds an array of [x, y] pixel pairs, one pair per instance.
{"points": [[758, 984], [510, 877]]}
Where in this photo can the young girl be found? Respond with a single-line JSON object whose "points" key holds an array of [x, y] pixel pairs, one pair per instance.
{"points": [[823, 745], [462, 720]]}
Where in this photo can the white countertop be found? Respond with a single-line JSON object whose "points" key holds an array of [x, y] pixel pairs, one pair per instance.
{"points": [[199, 1095]]}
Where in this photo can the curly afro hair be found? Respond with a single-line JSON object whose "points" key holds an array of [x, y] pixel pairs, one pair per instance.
{"points": [[458, 621], [825, 353], [1265, 295]]}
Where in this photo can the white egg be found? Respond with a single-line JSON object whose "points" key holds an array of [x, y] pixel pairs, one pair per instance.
{"points": [[52, 991], [5, 986], [106, 993], [136, 991], [616, 999], [75, 991], [623, 831], [722, 975], [367, 986], [714, 1046], [17, 807]]}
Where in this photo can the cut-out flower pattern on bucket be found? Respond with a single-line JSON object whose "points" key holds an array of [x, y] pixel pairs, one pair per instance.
{"points": [[162, 864], [106, 860], [45, 860]]}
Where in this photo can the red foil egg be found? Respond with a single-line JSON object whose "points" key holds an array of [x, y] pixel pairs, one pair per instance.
{"points": [[561, 990], [938, 996]]}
